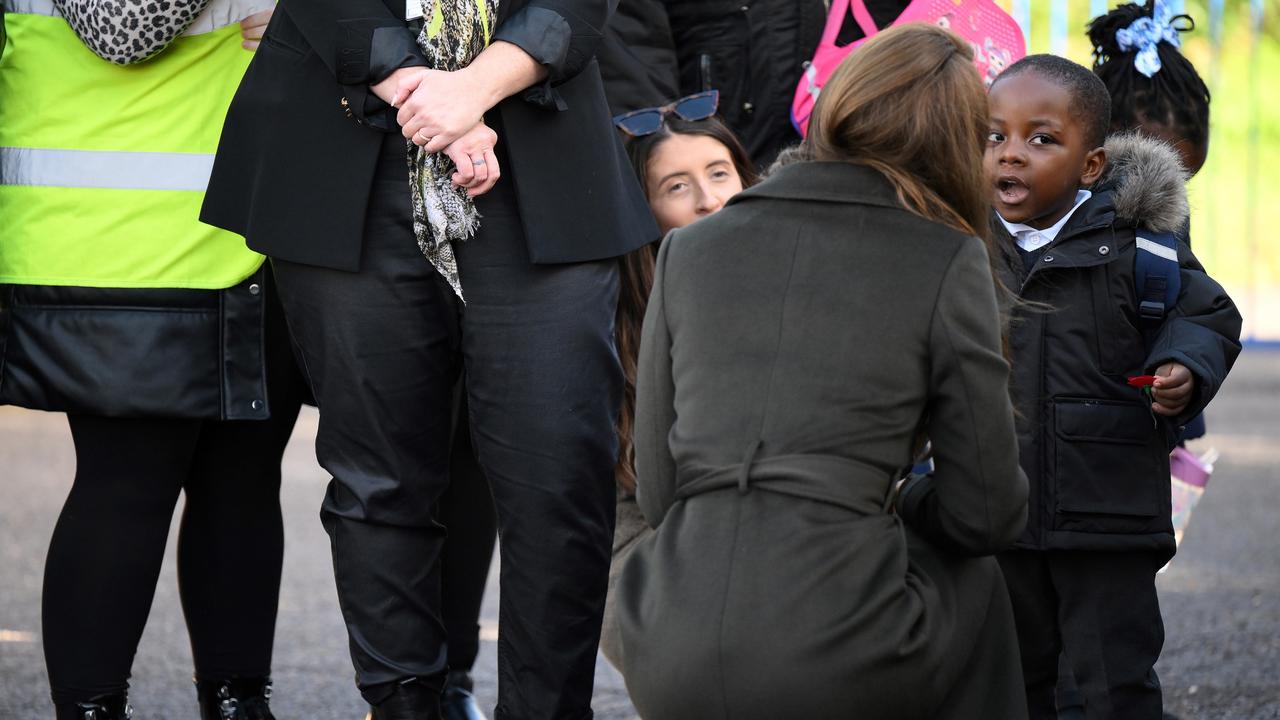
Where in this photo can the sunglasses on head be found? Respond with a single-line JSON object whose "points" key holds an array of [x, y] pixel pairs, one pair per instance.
{"points": [[648, 121]]}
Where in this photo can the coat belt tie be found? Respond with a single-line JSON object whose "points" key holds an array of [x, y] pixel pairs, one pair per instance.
{"points": [[841, 481]]}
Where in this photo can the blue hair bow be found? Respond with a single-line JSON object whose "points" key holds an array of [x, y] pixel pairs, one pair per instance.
{"points": [[1145, 34]]}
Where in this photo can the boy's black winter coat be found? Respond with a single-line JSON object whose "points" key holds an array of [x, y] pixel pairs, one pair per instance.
{"points": [[1095, 454]]}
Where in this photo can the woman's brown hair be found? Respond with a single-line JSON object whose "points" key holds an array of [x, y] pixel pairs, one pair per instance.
{"points": [[910, 105], [636, 274]]}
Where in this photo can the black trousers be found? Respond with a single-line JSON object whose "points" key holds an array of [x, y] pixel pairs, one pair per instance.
{"points": [[382, 348], [467, 513], [109, 542], [1099, 610]]}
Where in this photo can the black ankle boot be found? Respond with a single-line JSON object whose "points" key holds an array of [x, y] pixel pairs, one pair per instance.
{"points": [[458, 702], [234, 699], [409, 700], [103, 707]]}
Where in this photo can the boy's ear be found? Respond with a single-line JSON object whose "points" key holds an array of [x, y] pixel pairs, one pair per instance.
{"points": [[1094, 163]]}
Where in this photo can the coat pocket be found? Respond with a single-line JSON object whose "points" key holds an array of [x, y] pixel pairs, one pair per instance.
{"points": [[1108, 466]]}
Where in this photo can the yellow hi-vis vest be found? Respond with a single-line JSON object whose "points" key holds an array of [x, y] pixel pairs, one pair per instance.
{"points": [[103, 167]]}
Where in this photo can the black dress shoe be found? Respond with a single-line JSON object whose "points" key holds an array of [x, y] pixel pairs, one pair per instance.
{"points": [[234, 699], [458, 703], [104, 707], [409, 700]]}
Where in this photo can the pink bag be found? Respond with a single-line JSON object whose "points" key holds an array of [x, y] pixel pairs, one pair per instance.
{"points": [[996, 39], [1188, 475]]}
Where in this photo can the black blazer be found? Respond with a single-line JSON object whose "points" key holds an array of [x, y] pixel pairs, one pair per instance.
{"points": [[296, 160]]}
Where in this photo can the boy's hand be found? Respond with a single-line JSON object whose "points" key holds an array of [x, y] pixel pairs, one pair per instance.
{"points": [[1172, 389]]}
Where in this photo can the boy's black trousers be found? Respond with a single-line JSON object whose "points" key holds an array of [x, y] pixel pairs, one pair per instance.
{"points": [[1099, 609]]}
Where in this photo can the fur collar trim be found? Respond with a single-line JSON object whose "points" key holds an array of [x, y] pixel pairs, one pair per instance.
{"points": [[789, 156], [1148, 182]]}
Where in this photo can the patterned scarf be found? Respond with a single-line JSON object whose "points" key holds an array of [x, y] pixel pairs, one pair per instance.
{"points": [[454, 33]]}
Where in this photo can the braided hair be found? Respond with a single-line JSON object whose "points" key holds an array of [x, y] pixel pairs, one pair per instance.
{"points": [[1174, 96]]}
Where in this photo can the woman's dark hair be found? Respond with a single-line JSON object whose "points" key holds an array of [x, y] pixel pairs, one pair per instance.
{"points": [[636, 274], [1175, 96], [635, 280]]}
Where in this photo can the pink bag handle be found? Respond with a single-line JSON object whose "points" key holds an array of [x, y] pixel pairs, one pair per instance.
{"points": [[865, 21], [835, 20]]}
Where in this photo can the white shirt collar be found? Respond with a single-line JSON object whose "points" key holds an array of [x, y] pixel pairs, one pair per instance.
{"points": [[1031, 239]]}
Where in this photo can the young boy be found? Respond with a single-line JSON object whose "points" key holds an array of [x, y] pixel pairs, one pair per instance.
{"points": [[1095, 449]]}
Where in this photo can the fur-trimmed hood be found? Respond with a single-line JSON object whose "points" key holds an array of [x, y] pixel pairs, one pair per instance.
{"points": [[789, 156], [1147, 181]]}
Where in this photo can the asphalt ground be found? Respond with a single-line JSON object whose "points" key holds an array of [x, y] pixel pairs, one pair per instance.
{"points": [[1220, 596]]}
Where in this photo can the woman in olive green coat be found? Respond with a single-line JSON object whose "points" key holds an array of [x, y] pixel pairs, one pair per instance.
{"points": [[796, 346]]}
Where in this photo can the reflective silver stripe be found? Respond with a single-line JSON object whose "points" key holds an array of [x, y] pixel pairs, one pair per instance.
{"points": [[105, 170], [217, 14], [221, 13], [1157, 249], [31, 7]]}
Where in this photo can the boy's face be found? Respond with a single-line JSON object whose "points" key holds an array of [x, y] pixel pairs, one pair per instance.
{"points": [[1037, 154]]}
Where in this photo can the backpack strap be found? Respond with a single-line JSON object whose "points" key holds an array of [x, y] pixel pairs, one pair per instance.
{"points": [[1156, 276], [862, 16]]}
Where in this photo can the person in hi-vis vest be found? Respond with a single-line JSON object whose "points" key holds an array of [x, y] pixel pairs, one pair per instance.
{"points": [[157, 335]]}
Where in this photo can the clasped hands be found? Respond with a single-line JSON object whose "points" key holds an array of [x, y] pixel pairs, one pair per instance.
{"points": [[444, 112]]}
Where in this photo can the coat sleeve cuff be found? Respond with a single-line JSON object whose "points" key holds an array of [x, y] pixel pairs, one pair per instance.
{"points": [[541, 33], [1201, 394], [546, 37], [367, 109], [545, 95], [354, 62], [911, 495], [393, 48]]}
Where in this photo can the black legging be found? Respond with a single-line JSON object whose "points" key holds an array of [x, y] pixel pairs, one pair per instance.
{"points": [[108, 546], [466, 510]]}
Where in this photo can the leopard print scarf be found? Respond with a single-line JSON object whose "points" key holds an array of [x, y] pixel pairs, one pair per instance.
{"points": [[453, 33]]}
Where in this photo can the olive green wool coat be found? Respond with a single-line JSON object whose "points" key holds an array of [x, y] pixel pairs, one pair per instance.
{"points": [[794, 345]]}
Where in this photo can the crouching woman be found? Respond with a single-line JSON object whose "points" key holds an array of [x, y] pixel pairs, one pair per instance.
{"points": [[797, 347]]}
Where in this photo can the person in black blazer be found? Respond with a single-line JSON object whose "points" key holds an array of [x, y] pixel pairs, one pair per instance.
{"points": [[312, 170]]}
